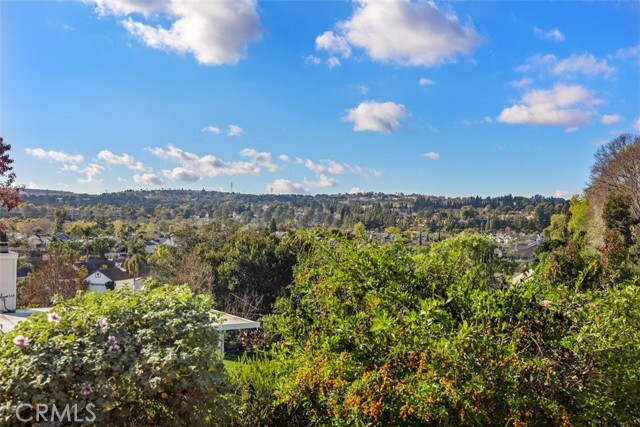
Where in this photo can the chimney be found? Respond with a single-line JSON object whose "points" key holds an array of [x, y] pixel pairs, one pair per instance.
{"points": [[8, 279]]}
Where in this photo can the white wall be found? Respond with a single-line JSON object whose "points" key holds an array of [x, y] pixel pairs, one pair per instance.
{"points": [[8, 274]]}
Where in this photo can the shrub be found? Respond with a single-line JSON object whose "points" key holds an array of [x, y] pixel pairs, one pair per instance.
{"points": [[253, 380], [145, 358], [378, 336]]}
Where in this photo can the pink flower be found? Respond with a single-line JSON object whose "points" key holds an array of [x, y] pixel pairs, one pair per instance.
{"points": [[21, 341], [103, 323], [53, 317], [86, 391], [113, 345]]}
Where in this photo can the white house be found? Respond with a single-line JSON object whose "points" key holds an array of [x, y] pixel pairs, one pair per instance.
{"points": [[102, 272], [99, 279]]}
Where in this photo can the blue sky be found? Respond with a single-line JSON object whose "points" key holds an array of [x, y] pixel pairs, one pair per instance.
{"points": [[459, 98]]}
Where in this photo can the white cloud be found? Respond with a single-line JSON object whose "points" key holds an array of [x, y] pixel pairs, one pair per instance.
{"points": [[215, 32], [363, 89], [125, 160], [522, 83], [235, 130], [333, 62], [537, 62], [425, 82], [376, 116], [552, 107], [562, 194], [572, 129], [366, 172], [553, 34], [284, 158], [355, 190], [431, 155], [32, 186], [321, 181], [182, 174], [90, 172], [212, 129], [326, 166], [636, 124], [263, 159], [57, 156], [310, 59], [585, 64], [333, 44], [629, 52], [147, 179], [403, 32], [193, 167], [285, 186], [609, 119]]}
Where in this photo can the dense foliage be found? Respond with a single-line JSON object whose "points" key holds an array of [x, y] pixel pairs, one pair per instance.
{"points": [[145, 358], [379, 336]]}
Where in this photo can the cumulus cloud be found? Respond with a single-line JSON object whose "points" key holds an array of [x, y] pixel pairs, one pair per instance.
{"points": [[636, 124], [376, 116], [235, 130], [585, 64], [425, 82], [193, 167], [90, 172], [561, 105], [355, 190], [321, 181], [431, 155], [609, 119], [285, 186], [125, 160], [324, 167], [522, 83], [284, 158], [628, 52], [553, 34], [212, 129], [56, 156], [263, 159], [366, 172], [147, 179], [333, 44], [215, 32], [403, 32]]}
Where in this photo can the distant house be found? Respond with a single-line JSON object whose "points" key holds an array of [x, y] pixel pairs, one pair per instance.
{"points": [[151, 245], [39, 241], [103, 271]]}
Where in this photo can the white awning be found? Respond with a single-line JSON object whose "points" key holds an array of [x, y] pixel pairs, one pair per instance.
{"points": [[8, 321], [229, 322]]}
